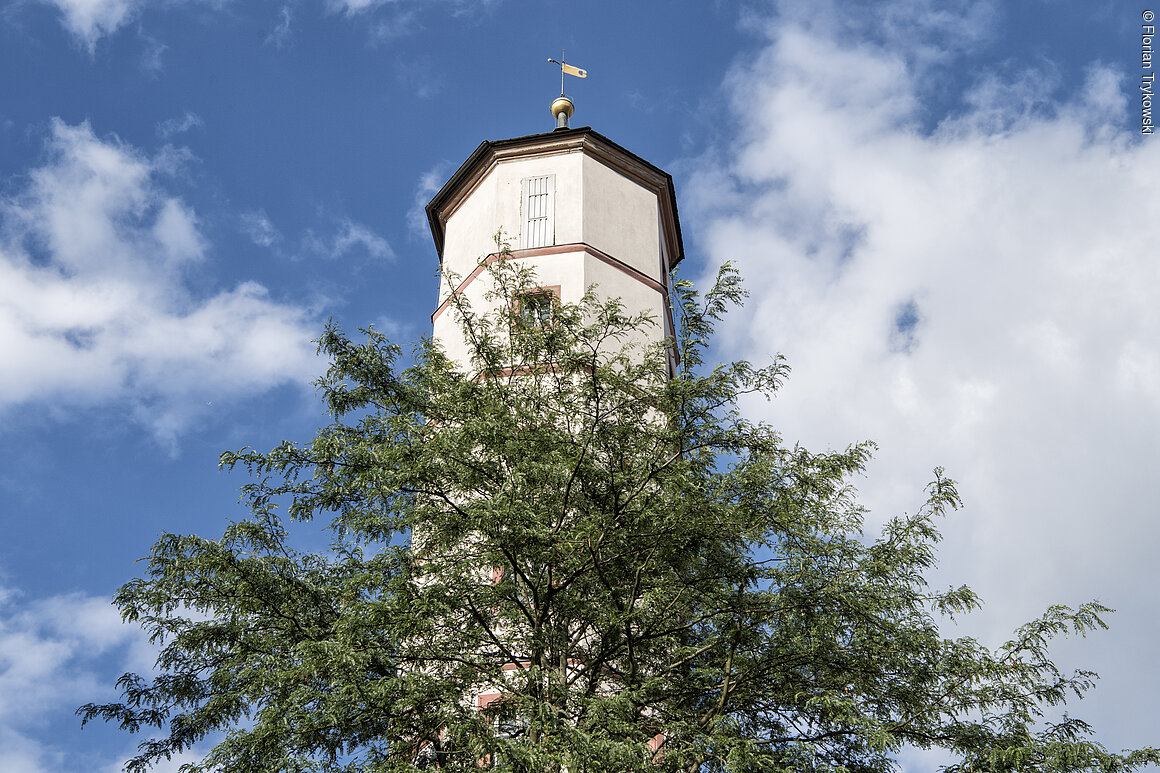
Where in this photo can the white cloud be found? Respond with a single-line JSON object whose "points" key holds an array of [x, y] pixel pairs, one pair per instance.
{"points": [[90, 20], [349, 237], [25, 754], [356, 6], [54, 655], [428, 185], [41, 645], [261, 230], [982, 295], [352, 235], [93, 304], [172, 126], [280, 35], [393, 19]]}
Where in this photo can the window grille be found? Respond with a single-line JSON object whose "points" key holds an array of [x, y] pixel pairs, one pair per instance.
{"points": [[538, 211]]}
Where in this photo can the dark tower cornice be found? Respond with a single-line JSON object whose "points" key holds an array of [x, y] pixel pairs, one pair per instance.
{"points": [[583, 140]]}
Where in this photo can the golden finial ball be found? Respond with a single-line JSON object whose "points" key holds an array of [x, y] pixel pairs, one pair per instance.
{"points": [[563, 105]]}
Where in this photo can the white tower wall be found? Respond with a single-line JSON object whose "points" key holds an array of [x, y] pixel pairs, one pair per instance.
{"points": [[613, 224]]}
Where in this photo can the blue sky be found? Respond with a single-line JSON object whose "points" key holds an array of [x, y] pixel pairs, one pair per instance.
{"points": [[945, 212]]}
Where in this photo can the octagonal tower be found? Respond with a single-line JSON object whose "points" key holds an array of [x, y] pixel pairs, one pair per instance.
{"points": [[572, 205]]}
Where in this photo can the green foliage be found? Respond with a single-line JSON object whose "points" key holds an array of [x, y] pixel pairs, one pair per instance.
{"points": [[618, 554]]}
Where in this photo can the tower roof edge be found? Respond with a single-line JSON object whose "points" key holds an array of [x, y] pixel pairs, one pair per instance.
{"points": [[585, 139]]}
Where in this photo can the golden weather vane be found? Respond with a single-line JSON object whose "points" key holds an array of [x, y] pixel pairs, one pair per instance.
{"points": [[563, 108], [567, 69]]}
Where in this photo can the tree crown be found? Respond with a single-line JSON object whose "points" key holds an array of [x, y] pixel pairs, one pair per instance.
{"points": [[570, 559]]}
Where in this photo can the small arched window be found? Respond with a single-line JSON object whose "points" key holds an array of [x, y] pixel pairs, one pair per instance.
{"points": [[536, 306]]}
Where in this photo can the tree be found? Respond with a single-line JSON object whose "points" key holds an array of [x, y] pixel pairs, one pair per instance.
{"points": [[640, 579]]}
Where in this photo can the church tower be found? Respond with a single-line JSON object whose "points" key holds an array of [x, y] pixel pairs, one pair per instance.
{"points": [[580, 211], [570, 204]]}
